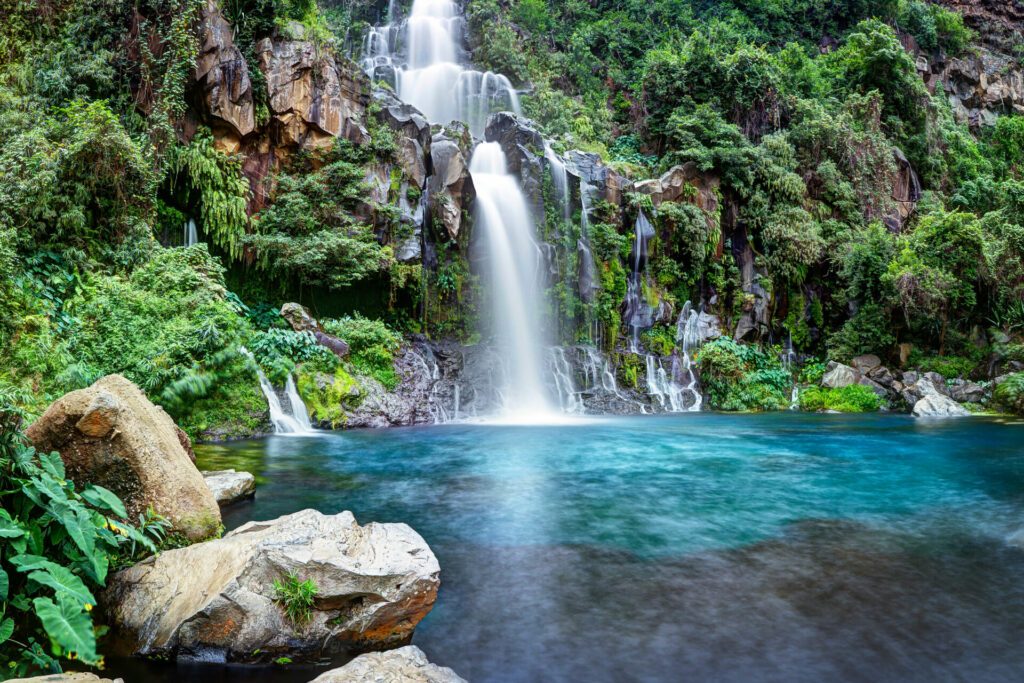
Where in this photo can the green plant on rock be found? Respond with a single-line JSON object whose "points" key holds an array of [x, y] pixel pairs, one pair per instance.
{"points": [[296, 597], [1009, 394], [739, 377], [372, 346], [854, 398], [59, 544]]}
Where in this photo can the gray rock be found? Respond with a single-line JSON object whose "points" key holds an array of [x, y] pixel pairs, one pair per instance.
{"points": [[909, 378], [301, 320], [932, 403], [866, 363], [879, 390], [938, 381], [883, 376], [216, 600], [405, 665], [965, 391], [838, 376], [229, 486], [450, 187]]}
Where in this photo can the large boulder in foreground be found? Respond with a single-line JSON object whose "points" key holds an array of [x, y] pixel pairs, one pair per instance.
{"points": [[111, 435], [216, 600], [932, 403], [406, 665]]}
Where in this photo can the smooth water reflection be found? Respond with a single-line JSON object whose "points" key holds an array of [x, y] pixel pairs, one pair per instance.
{"points": [[781, 547]]}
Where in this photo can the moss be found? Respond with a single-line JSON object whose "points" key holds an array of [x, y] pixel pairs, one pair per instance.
{"points": [[1009, 394], [327, 396], [235, 409]]}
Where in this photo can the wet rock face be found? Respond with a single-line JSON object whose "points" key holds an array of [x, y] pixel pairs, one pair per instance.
{"points": [[407, 664], [450, 187], [217, 600], [111, 435], [524, 153], [223, 77], [313, 99]]}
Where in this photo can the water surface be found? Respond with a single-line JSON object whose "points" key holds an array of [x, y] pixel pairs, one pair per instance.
{"points": [[704, 547]]}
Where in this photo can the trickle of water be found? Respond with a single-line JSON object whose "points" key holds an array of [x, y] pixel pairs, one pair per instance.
{"points": [[191, 236], [638, 312]]}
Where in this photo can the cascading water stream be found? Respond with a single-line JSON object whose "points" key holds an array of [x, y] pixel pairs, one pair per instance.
{"points": [[505, 233], [638, 312], [191, 235], [434, 76], [298, 421]]}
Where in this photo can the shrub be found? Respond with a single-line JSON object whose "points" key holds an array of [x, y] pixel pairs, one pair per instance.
{"points": [[1009, 394], [372, 346], [741, 377], [296, 597], [948, 366], [854, 398]]}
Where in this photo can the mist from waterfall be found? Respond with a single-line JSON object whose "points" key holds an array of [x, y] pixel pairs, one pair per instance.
{"points": [[434, 76], [506, 237]]}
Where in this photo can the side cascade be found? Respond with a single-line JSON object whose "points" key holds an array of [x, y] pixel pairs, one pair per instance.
{"points": [[295, 420]]}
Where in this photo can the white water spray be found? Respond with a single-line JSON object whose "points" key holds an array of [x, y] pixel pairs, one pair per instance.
{"points": [[191, 235], [506, 235]]}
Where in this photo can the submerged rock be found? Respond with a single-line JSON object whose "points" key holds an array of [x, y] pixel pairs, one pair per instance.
{"points": [[216, 600], [111, 435], [229, 486], [406, 665], [932, 403]]}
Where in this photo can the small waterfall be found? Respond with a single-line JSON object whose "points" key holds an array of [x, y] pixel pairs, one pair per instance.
{"points": [[190, 234], [298, 421], [638, 312], [661, 386], [506, 235], [688, 338], [568, 398], [560, 179], [432, 76]]}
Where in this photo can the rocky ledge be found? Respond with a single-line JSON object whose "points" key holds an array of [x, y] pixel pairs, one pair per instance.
{"points": [[217, 600]]}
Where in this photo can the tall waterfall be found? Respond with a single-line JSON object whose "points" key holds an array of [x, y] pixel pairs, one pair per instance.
{"points": [[505, 232], [434, 76]]}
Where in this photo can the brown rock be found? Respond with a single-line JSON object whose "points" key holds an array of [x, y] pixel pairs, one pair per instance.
{"points": [[111, 435], [223, 75]]}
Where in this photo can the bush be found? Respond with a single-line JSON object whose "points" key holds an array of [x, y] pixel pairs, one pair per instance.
{"points": [[742, 377], [850, 399], [372, 346], [950, 367], [58, 547], [1009, 394]]}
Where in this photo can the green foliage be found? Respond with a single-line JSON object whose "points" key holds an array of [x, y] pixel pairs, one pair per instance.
{"points": [[372, 346], [742, 377], [58, 546], [660, 340], [1009, 394], [209, 184], [854, 398], [327, 395], [947, 366], [296, 597], [869, 330]]}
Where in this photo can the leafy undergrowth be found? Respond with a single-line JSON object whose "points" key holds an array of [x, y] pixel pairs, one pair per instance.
{"points": [[1009, 394], [737, 377], [850, 399]]}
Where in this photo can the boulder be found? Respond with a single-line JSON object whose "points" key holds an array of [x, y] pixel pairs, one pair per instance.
{"points": [[965, 391], [838, 376], [301, 320], [523, 146], [405, 665], [229, 486], [217, 601], [413, 134], [111, 435], [883, 376], [879, 390], [938, 381], [932, 403], [866, 364]]}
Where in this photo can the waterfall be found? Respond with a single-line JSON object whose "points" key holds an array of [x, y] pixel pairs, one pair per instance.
{"points": [[433, 76], [689, 339], [191, 236], [505, 232], [559, 178], [284, 423], [638, 312]]}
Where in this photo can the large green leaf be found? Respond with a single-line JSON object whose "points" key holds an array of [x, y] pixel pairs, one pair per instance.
{"points": [[100, 497], [82, 531], [68, 624], [9, 528], [27, 563], [5, 584], [53, 465], [62, 581], [6, 630]]}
